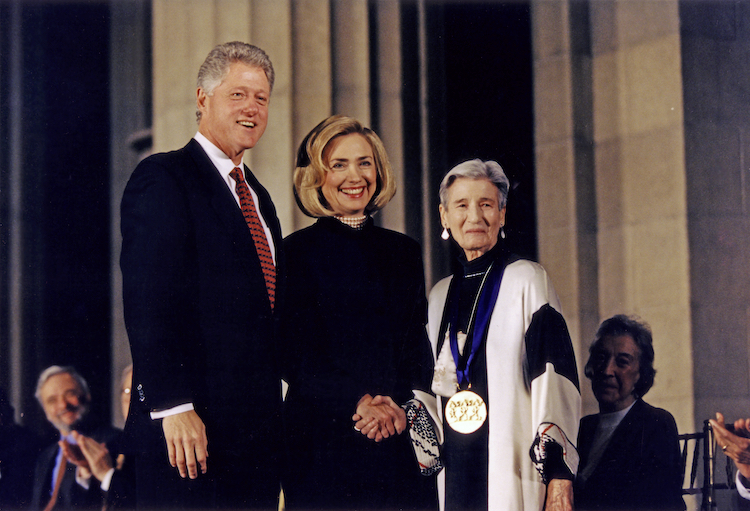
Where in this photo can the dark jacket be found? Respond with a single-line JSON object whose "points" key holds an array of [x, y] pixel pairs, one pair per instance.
{"points": [[201, 328], [355, 325], [641, 467], [19, 450]]}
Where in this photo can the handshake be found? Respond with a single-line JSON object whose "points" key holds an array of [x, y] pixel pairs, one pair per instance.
{"points": [[378, 417]]}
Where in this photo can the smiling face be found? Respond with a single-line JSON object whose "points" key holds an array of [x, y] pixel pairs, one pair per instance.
{"points": [[472, 215], [351, 177], [63, 401], [616, 370], [234, 117]]}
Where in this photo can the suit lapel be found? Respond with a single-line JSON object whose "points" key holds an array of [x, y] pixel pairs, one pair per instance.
{"points": [[230, 215], [222, 202]]}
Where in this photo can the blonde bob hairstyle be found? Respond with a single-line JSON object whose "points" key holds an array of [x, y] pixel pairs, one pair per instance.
{"points": [[312, 167]]}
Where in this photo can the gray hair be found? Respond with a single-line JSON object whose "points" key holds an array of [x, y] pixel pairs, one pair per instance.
{"points": [[477, 169], [216, 66], [54, 371]]}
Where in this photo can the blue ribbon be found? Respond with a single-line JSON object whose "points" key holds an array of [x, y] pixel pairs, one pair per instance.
{"points": [[481, 316]]}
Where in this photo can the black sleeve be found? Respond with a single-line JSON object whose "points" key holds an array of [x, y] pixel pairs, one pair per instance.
{"points": [[158, 269]]}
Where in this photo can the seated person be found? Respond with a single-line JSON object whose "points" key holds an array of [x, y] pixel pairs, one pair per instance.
{"points": [[59, 481], [630, 453], [115, 475]]}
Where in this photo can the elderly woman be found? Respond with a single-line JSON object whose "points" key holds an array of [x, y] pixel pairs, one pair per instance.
{"points": [[505, 372], [353, 329], [630, 455]]}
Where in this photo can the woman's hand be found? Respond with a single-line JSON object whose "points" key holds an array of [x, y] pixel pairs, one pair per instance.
{"points": [[379, 417]]}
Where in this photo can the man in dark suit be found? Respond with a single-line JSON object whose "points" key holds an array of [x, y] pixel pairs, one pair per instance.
{"points": [[201, 247], [64, 396]]}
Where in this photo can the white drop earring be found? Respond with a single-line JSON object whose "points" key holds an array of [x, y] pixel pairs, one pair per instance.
{"points": [[446, 236], [502, 233]]}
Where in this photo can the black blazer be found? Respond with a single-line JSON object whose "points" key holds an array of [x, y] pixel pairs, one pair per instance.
{"points": [[197, 313], [641, 467]]}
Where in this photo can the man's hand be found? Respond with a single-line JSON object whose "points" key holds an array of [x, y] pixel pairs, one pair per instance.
{"points": [[559, 495], [735, 446], [98, 460], [379, 417], [73, 454], [187, 444]]}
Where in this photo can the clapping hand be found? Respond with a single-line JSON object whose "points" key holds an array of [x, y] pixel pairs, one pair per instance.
{"points": [[89, 456], [379, 417], [735, 445]]}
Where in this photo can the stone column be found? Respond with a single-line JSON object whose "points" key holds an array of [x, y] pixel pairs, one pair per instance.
{"points": [[632, 113], [312, 73], [640, 184], [566, 201], [717, 140], [389, 120], [351, 63]]}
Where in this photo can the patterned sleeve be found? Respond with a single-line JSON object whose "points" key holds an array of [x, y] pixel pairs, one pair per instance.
{"points": [[555, 394]]}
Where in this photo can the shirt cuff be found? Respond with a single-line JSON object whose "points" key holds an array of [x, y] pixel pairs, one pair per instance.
{"points": [[742, 487], [107, 480], [83, 482], [172, 411]]}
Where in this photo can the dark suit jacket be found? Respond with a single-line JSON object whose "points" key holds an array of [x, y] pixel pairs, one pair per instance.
{"points": [[641, 467], [19, 450], [71, 495], [198, 317]]}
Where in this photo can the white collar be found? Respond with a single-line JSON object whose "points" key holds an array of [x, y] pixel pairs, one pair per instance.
{"points": [[220, 160]]}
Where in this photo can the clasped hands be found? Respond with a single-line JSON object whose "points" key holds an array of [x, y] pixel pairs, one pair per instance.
{"points": [[379, 417]]}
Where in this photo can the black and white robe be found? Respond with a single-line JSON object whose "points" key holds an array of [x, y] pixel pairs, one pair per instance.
{"points": [[533, 394]]}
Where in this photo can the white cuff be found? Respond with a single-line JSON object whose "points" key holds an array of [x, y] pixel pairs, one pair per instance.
{"points": [[107, 479], [172, 411], [741, 489], [84, 482]]}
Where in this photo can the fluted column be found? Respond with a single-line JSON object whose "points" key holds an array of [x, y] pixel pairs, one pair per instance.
{"points": [[311, 21], [351, 63], [389, 121], [610, 133], [640, 184], [564, 169]]}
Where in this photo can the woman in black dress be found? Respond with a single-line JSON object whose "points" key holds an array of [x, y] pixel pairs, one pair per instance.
{"points": [[353, 330]]}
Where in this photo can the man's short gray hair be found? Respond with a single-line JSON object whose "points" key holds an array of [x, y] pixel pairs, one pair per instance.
{"points": [[216, 66], [477, 169], [54, 371]]}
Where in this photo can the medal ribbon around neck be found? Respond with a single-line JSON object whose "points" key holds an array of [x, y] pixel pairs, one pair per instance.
{"points": [[466, 411], [480, 317]]}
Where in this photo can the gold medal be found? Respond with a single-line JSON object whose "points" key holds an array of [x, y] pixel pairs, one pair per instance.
{"points": [[465, 412]]}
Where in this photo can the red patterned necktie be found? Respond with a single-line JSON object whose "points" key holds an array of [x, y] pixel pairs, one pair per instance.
{"points": [[256, 229]]}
